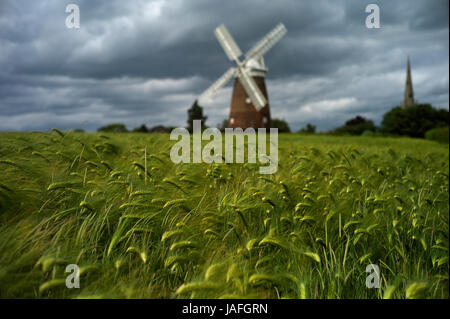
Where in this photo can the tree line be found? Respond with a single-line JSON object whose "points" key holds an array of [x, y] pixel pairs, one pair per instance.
{"points": [[420, 120]]}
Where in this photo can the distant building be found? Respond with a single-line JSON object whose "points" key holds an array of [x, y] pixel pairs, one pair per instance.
{"points": [[408, 99], [159, 129]]}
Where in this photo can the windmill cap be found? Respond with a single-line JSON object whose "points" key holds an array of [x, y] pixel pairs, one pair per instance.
{"points": [[255, 68]]}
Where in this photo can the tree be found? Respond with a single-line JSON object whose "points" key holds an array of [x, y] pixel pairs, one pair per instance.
{"points": [[116, 128], [195, 113], [356, 126], [310, 129], [281, 125], [222, 126], [414, 121], [141, 129]]}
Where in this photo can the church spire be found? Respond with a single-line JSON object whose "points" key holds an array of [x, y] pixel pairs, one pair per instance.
{"points": [[409, 94]]}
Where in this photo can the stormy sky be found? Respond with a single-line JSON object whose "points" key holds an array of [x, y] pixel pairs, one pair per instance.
{"points": [[145, 62]]}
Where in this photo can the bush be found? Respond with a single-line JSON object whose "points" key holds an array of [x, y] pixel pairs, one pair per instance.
{"points": [[141, 129], [116, 128], [355, 126], [281, 125], [367, 133], [309, 129], [414, 121], [438, 134]]}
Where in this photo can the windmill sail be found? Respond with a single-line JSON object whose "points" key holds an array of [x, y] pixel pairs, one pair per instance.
{"points": [[227, 42], [216, 86], [266, 43], [253, 92]]}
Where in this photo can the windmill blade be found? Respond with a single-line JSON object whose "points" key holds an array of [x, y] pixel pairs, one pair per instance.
{"points": [[218, 84], [227, 42], [252, 89], [266, 43]]}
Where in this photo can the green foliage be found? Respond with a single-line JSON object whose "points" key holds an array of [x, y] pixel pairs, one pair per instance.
{"points": [[281, 125], [222, 126], [414, 121], [438, 134], [115, 128], [309, 129], [141, 129], [368, 133], [195, 113], [140, 226], [355, 126]]}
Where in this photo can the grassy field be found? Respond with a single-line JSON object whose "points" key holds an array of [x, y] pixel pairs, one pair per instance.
{"points": [[140, 226]]}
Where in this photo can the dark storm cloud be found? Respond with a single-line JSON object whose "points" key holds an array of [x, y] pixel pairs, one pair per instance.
{"points": [[146, 61]]}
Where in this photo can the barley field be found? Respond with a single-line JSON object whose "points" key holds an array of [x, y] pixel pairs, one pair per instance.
{"points": [[140, 226]]}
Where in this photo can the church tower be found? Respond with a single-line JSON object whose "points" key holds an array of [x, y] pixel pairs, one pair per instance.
{"points": [[408, 100]]}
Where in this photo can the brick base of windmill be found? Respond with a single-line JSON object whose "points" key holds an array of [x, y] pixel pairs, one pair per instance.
{"points": [[242, 112]]}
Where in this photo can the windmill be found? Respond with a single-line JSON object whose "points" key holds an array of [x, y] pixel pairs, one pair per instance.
{"points": [[249, 102]]}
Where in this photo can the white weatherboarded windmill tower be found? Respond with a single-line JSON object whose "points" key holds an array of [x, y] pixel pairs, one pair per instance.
{"points": [[249, 103]]}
